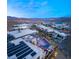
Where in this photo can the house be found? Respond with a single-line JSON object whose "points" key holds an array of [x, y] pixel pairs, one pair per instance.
{"points": [[21, 26], [44, 28], [32, 38], [20, 49], [21, 33], [59, 36]]}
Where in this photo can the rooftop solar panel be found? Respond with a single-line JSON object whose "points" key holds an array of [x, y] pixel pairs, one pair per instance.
{"points": [[33, 53], [20, 50], [25, 54], [16, 47], [10, 37], [16, 51], [9, 45]]}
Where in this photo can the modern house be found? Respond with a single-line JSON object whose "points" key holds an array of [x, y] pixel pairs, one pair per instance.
{"points": [[21, 33], [31, 39], [20, 49], [44, 28], [21, 26]]}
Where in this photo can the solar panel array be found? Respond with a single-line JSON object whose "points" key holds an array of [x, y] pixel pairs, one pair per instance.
{"points": [[21, 50], [10, 37]]}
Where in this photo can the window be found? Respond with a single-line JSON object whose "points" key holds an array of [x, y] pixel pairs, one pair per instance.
{"points": [[60, 36]]}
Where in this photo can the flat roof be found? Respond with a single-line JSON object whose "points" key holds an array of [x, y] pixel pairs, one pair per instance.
{"points": [[41, 42], [60, 32], [46, 28], [17, 34], [20, 42]]}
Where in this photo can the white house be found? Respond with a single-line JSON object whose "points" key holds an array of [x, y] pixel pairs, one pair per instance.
{"points": [[21, 26], [59, 36], [48, 29], [24, 50], [21, 33]]}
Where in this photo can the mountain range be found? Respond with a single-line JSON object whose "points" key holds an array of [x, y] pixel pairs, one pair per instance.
{"points": [[43, 19]]}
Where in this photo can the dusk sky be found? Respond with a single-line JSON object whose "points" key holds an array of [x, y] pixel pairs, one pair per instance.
{"points": [[39, 8]]}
